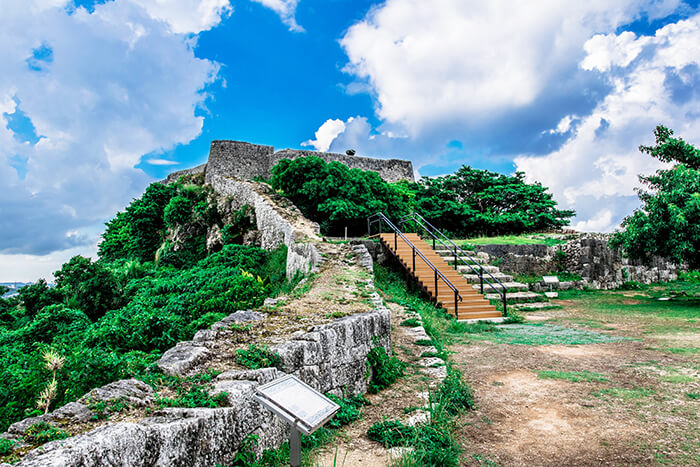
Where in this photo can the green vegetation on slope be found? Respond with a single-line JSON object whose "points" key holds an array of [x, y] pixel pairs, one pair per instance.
{"points": [[112, 318]]}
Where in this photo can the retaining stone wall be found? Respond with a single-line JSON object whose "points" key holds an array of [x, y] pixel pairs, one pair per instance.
{"points": [[330, 357], [589, 256]]}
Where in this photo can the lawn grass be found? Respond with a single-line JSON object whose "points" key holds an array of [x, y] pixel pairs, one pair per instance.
{"points": [[673, 324], [512, 240], [534, 334]]}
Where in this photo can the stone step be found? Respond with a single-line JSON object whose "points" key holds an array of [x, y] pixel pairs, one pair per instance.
{"points": [[536, 306], [518, 297], [445, 252], [474, 278], [510, 287], [467, 270]]}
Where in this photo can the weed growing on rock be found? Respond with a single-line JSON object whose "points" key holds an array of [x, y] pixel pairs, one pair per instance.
{"points": [[42, 432], [103, 409], [255, 357], [196, 396], [454, 396]]}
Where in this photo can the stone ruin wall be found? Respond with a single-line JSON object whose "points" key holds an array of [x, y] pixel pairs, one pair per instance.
{"points": [[331, 358], [247, 161], [274, 228], [588, 255]]}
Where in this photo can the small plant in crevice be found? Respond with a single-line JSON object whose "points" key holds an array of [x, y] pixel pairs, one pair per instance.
{"points": [[196, 396], [42, 432], [103, 409], [383, 369], [255, 357]]}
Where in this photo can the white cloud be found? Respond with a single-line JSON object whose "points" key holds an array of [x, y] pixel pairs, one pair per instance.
{"points": [[326, 133], [601, 162], [447, 60], [161, 162], [286, 9], [102, 89], [187, 16]]}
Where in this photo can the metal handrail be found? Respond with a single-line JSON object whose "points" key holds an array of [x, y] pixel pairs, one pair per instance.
{"points": [[380, 217], [420, 220]]}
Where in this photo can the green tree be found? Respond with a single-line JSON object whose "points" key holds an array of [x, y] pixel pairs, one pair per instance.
{"points": [[36, 296], [92, 286], [668, 222], [474, 202], [336, 196]]}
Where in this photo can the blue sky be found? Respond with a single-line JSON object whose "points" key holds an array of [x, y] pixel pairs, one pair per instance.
{"points": [[98, 99]]}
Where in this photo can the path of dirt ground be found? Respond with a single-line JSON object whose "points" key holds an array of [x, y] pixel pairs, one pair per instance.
{"points": [[639, 416], [400, 401]]}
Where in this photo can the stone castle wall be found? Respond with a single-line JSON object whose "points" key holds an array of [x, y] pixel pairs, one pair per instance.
{"points": [[247, 161]]}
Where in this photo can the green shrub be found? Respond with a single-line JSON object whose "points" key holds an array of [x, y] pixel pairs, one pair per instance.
{"points": [[178, 211], [349, 410], [391, 433], [690, 276], [384, 369], [255, 357], [6, 447], [42, 432]]}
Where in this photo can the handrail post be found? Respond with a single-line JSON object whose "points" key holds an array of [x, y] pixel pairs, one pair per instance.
{"points": [[505, 302], [396, 247], [455, 257], [433, 243], [369, 228], [481, 279], [414, 259], [436, 287], [456, 305]]}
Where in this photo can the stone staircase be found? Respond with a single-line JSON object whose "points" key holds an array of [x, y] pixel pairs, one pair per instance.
{"points": [[472, 306], [517, 293]]}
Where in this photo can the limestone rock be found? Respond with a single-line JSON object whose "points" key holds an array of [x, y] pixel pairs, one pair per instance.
{"points": [[179, 360]]}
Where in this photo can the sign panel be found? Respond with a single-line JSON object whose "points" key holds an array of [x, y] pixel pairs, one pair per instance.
{"points": [[550, 279], [297, 403]]}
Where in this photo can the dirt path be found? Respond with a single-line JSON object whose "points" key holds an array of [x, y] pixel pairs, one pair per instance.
{"points": [[400, 401], [630, 408]]}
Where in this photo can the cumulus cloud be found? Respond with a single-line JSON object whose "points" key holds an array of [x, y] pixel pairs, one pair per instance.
{"points": [[471, 61], [100, 90], [286, 9], [600, 163], [325, 134], [187, 16]]}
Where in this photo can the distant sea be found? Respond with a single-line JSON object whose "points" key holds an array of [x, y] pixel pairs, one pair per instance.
{"points": [[14, 287]]}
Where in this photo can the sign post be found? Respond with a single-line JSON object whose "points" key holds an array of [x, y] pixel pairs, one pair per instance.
{"points": [[301, 406]]}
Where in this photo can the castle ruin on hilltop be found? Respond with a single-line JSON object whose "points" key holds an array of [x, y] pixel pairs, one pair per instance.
{"points": [[247, 161]]}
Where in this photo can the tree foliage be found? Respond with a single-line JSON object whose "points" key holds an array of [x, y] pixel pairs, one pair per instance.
{"points": [[474, 202], [336, 196], [668, 223], [469, 202], [92, 287]]}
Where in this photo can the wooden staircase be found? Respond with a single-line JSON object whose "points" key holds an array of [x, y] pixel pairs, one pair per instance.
{"points": [[473, 304]]}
